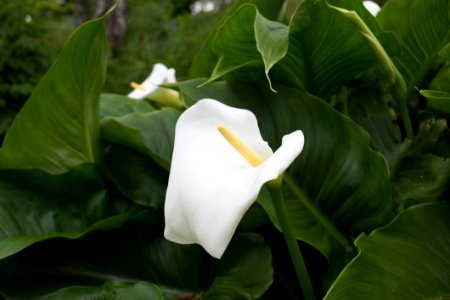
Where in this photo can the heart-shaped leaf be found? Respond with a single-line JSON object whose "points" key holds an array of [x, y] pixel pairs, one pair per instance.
{"points": [[36, 206], [113, 105], [132, 254], [137, 176], [247, 38], [206, 59], [423, 28], [438, 101], [409, 259], [58, 127], [150, 133], [110, 290], [421, 178]]}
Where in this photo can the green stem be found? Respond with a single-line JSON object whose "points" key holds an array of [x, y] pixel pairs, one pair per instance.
{"points": [[291, 242], [320, 217], [394, 78]]}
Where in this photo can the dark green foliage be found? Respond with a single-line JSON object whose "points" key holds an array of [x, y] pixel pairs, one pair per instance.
{"points": [[83, 175]]}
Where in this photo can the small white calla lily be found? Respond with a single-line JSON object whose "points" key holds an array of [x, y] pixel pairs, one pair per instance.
{"points": [[211, 184], [150, 87], [372, 7]]}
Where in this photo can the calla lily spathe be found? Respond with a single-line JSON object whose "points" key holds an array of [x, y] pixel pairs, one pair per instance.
{"points": [[211, 185], [160, 75], [150, 87]]}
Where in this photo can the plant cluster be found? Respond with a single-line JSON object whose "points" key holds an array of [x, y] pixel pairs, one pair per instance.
{"points": [[83, 174]]}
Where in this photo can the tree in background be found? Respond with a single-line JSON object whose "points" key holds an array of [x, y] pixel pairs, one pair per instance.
{"points": [[31, 35], [169, 32], [141, 33]]}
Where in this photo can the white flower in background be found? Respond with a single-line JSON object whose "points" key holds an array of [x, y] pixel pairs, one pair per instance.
{"points": [[150, 87], [372, 7], [220, 163]]}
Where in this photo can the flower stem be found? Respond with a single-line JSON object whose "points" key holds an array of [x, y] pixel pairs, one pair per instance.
{"points": [[274, 187], [393, 75]]}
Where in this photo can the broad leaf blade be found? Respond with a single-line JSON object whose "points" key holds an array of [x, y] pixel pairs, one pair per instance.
{"points": [[326, 50], [58, 127], [248, 38], [36, 206], [246, 257], [114, 105], [132, 254], [409, 259], [137, 176], [423, 28], [150, 133], [438, 101], [421, 179], [206, 59], [110, 290]]}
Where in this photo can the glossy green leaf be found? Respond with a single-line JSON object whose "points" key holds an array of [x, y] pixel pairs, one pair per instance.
{"points": [[321, 58], [440, 81], [206, 59], [312, 53], [150, 133], [423, 28], [437, 101], [342, 177], [368, 108], [246, 257], [35, 206], [130, 254], [113, 105], [58, 127], [248, 38], [422, 179], [111, 291], [224, 288], [133, 254], [137, 176], [409, 259]]}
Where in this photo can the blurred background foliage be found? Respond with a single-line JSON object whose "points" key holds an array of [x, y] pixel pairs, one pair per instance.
{"points": [[140, 33]]}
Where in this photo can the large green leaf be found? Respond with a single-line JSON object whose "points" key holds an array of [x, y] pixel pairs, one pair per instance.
{"points": [[438, 101], [151, 133], [368, 108], [312, 53], [137, 176], [409, 259], [345, 181], [206, 59], [321, 58], [246, 257], [132, 254], [423, 28], [248, 38], [111, 291], [36, 206], [58, 127], [440, 81], [114, 105], [422, 178]]}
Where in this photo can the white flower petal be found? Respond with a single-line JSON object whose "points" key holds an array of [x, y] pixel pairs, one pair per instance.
{"points": [[211, 185], [159, 75], [372, 7]]}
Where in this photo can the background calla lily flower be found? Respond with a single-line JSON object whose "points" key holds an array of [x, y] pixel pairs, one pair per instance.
{"points": [[150, 87], [211, 185]]}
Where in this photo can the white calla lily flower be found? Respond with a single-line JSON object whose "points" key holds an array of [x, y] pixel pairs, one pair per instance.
{"points": [[150, 87], [211, 183], [373, 7]]}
